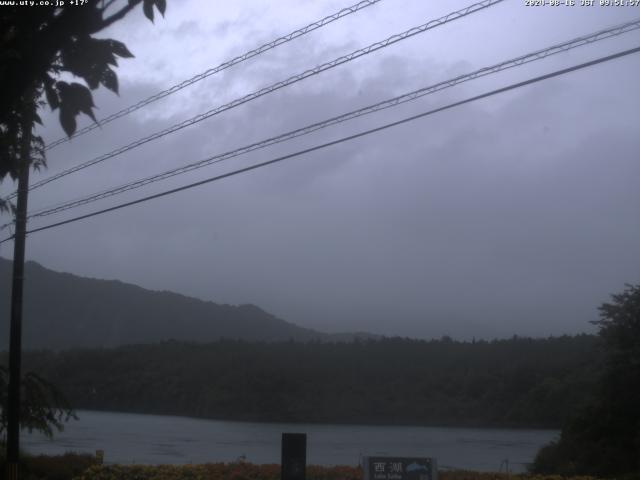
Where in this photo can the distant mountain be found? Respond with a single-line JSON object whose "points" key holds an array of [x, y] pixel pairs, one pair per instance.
{"points": [[66, 311]]}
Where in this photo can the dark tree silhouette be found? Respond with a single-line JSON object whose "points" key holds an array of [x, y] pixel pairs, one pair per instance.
{"points": [[43, 407], [519, 382], [36, 46], [604, 438]]}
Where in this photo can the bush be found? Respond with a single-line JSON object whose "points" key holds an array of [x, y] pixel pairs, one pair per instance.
{"points": [[247, 471], [73, 466], [50, 467]]}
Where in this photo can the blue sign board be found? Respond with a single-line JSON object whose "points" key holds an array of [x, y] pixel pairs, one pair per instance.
{"points": [[400, 468]]}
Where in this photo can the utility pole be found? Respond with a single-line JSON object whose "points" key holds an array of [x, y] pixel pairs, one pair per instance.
{"points": [[15, 333]]}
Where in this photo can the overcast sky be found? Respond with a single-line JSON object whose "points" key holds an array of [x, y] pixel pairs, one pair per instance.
{"points": [[516, 214]]}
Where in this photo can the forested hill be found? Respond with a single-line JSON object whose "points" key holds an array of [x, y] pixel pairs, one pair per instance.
{"points": [[517, 382], [66, 311]]}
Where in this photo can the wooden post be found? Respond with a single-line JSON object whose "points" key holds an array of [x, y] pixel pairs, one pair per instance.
{"points": [[294, 456], [15, 332]]}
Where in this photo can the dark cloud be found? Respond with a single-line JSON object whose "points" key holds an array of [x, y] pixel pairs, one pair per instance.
{"points": [[514, 215]]}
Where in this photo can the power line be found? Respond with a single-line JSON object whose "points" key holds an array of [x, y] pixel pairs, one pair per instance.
{"points": [[404, 98], [223, 66], [276, 86], [340, 140]]}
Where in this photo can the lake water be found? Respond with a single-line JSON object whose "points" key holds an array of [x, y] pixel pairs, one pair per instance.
{"points": [[153, 439]]}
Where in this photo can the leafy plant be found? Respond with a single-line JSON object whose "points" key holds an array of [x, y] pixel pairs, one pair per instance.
{"points": [[43, 407], [37, 45], [604, 437]]}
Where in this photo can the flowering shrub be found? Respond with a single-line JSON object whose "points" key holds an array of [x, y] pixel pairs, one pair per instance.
{"points": [[469, 475], [210, 471], [248, 471]]}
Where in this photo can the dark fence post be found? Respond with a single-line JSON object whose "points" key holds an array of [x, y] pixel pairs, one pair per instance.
{"points": [[294, 456]]}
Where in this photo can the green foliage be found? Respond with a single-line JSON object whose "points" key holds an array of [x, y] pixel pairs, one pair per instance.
{"points": [[148, 5], [517, 382], [42, 407], [73, 99], [604, 437], [36, 46]]}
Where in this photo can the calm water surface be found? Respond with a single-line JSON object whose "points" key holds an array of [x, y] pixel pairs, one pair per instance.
{"points": [[152, 439]]}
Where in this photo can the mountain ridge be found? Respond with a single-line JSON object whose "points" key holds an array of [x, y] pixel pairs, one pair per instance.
{"points": [[63, 310]]}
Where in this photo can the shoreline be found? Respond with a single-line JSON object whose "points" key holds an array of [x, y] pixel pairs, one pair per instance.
{"points": [[460, 426]]}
